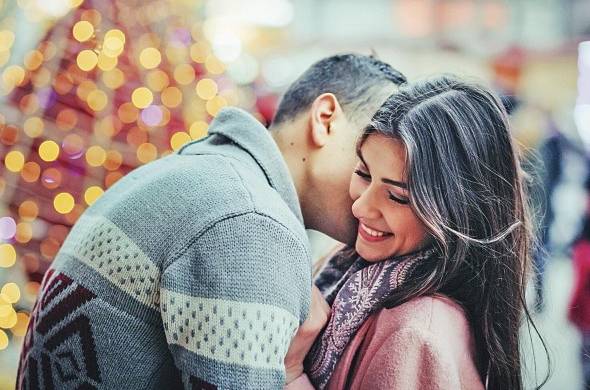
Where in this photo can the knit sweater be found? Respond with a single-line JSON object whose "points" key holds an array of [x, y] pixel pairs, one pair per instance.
{"points": [[193, 270]]}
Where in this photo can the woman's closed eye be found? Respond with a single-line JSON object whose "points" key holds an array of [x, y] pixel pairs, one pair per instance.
{"points": [[398, 199], [367, 177]]}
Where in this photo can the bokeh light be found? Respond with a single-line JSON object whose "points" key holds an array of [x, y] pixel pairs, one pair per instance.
{"points": [[142, 97], [206, 89], [14, 161], [87, 60], [49, 151], [150, 58], [63, 202], [83, 30], [178, 139], [7, 255], [7, 228], [92, 194]]}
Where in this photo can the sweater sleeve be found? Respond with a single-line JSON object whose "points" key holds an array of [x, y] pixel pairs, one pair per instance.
{"points": [[232, 301], [412, 358]]}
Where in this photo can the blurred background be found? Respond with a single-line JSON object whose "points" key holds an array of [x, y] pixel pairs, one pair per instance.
{"points": [[91, 89]]}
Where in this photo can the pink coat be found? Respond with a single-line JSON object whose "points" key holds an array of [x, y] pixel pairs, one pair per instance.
{"points": [[425, 343]]}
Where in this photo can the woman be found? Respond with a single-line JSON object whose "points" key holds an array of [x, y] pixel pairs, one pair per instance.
{"points": [[432, 297]]}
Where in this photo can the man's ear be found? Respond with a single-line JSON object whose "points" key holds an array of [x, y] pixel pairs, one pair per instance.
{"points": [[325, 109]]}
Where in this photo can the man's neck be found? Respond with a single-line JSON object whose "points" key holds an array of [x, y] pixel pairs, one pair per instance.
{"points": [[293, 150]]}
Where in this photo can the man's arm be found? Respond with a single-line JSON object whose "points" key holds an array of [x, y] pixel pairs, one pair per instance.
{"points": [[232, 301]]}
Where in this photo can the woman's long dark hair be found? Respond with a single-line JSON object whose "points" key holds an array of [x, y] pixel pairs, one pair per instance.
{"points": [[466, 185]]}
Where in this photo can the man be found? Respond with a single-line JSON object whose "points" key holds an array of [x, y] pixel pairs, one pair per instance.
{"points": [[195, 269]]}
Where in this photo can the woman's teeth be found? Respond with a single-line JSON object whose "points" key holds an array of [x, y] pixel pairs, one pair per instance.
{"points": [[371, 232]]}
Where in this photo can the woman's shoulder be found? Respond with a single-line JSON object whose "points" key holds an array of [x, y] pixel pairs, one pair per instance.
{"points": [[423, 343], [425, 317]]}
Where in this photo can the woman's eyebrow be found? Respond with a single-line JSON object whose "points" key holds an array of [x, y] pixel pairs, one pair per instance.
{"points": [[395, 183], [386, 181]]}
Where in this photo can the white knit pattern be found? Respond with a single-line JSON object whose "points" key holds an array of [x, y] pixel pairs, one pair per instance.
{"points": [[241, 333], [100, 244]]}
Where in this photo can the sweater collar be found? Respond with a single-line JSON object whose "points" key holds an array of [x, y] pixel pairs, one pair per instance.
{"points": [[249, 134]]}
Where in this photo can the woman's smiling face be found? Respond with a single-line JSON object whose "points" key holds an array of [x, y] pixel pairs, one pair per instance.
{"points": [[388, 225]]}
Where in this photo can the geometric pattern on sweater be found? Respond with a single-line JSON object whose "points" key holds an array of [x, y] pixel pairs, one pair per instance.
{"points": [[100, 244], [65, 355], [241, 333]]}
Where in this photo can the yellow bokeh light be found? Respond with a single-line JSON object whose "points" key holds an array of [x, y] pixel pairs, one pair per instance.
{"points": [[115, 34], [49, 151], [106, 63], [85, 88], [11, 292], [3, 340], [114, 43], [92, 194], [184, 74], [6, 40], [176, 54], [171, 97], [206, 89], [14, 161], [22, 322], [12, 76], [214, 105], [157, 80], [9, 320], [33, 60], [199, 52], [114, 78], [5, 306], [28, 210], [76, 3], [127, 113], [7, 255], [63, 203], [150, 58], [24, 232], [142, 97], [97, 100], [213, 65], [34, 127], [95, 156], [83, 31], [87, 60], [41, 78], [147, 152], [198, 129], [179, 139]]}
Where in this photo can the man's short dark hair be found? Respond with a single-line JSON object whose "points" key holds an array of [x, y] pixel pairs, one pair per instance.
{"points": [[353, 78]]}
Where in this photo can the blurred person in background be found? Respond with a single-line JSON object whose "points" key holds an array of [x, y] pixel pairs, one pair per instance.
{"points": [[579, 306], [432, 295]]}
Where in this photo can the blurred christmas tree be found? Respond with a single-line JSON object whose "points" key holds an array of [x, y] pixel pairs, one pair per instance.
{"points": [[112, 85]]}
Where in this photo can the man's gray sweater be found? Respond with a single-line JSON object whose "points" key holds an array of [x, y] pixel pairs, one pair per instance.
{"points": [[193, 270]]}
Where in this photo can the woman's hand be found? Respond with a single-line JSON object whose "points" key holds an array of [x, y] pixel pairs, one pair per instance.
{"points": [[306, 335]]}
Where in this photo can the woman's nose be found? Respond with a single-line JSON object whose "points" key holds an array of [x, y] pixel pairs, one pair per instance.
{"points": [[365, 206]]}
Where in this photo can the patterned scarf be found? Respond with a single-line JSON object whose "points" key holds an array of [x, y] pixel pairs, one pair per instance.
{"points": [[355, 289]]}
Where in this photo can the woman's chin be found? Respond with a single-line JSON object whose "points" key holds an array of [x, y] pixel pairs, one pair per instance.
{"points": [[368, 254]]}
